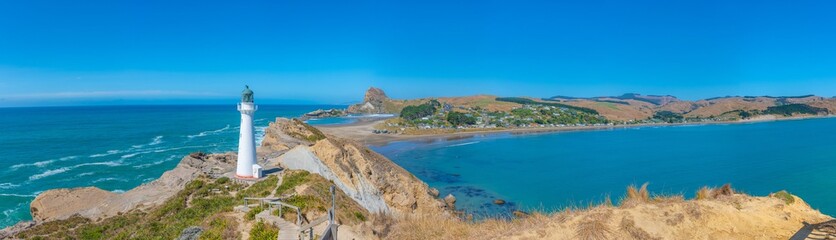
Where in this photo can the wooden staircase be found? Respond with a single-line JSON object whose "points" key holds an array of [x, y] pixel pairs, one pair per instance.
{"points": [[302, 229]]}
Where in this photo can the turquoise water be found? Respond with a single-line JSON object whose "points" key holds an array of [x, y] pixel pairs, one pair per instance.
{"points": [[555, 170], [347, 119], [114, 148]]}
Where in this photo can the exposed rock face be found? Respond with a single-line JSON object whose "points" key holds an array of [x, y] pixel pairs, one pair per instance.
{"points": [[375, 182], [284, 134], [372, 102], [323, 114], [190, 233], [95, 203]]}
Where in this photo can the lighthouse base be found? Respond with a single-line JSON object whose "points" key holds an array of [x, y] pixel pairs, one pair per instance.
{"points": [[245, 177]]}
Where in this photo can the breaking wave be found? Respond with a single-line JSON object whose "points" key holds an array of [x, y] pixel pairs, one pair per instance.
{"points": [[463, 144], [259, 135], [35, 164], [8, 185], [109, 179], [155, 141], [109, 152], [49, 173], [65, 169], [207, 133], [16, 195]]}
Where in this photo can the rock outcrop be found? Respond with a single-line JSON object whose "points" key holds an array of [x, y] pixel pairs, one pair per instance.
{"points": [[375, 182], [284, 134], [95, 203], [372, 103], [323, 114]]}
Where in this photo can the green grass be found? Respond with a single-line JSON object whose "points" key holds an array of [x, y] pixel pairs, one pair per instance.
{"points": [[259, 189], [292, 180], [263, 231], [252, 212], [784, 195], [316, 135], [359, 216], [220, 228]]}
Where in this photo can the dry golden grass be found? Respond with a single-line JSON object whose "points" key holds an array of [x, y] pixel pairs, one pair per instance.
{"points": [[593, 227], [703, 194], [636, 195], [629, 226], [601, 221], [447, 227], [706, 193]]}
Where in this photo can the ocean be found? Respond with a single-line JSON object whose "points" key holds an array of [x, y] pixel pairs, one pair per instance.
{"points": [[115, 148], [551, 171]]}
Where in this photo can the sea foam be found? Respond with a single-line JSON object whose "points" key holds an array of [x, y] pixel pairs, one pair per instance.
{"points": [[463, 144], [8, 185], [48, 173], [207, 133]]}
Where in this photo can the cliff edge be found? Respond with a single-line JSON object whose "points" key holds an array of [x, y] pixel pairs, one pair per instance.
{"points": [[375, 182]]}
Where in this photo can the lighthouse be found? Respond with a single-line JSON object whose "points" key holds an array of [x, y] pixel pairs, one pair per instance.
{"points": [[247, 168]]}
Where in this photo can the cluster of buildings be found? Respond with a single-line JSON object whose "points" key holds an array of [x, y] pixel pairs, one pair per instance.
{"points": [[527, 116]]}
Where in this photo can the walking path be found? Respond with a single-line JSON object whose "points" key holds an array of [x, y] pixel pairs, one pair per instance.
{"points": [[287, 230], [825, 230]]}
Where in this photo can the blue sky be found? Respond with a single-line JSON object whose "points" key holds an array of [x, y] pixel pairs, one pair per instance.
{"points": [[128, 52]]}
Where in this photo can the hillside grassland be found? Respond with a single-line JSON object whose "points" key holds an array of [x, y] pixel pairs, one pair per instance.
{"points": [[208, 203], [718, 213]]}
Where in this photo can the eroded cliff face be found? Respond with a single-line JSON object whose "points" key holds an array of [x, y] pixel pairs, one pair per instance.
{"points": [[371, 179], [95, 203]]}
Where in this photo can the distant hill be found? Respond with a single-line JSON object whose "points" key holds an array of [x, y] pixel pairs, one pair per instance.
{"points": [[626, 107], [634, 106]]}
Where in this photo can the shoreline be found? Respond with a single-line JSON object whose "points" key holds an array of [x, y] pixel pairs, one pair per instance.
{"points": [[362, 129]]}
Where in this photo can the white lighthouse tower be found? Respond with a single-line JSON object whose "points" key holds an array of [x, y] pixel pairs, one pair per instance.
{"points": [[246, 140]]}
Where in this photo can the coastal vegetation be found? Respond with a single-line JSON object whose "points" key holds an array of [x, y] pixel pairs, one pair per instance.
{"points": [[262, 188], [460, 119], [784, 195], [436, 115], [202, 202], [208, 203], [416, 112], [790, 109], [640, 215], [313, 133], [668, 116], [263, 231]]}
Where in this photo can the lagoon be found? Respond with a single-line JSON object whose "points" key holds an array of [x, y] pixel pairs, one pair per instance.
{"points": [[551, 171]]}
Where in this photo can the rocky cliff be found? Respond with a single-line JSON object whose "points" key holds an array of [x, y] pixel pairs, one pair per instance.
{"points": [[369, 178], [373, 102]]}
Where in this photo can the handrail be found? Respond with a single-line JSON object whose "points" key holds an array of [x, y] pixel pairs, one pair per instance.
{"points": [[331, 217], [314, 223]]}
